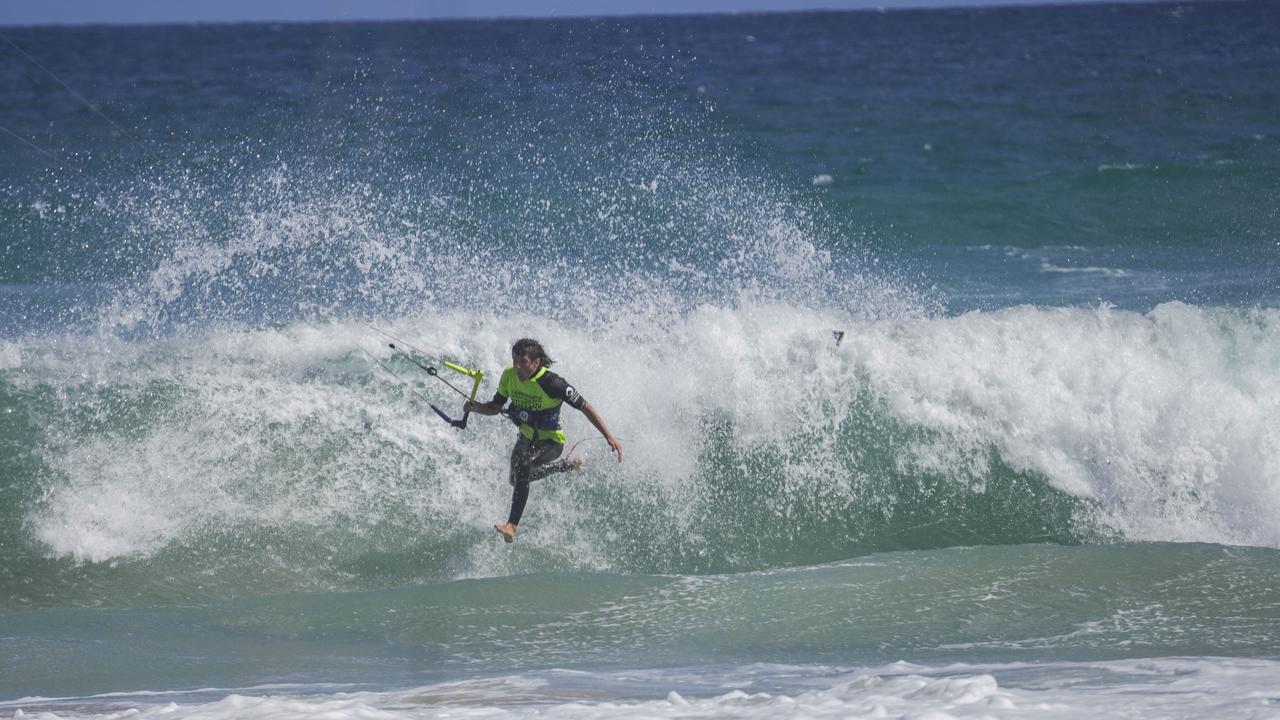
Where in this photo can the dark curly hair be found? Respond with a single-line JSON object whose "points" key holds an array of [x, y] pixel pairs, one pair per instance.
{"points": [[530, 348]]}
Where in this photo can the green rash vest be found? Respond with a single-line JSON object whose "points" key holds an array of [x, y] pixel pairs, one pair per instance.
{"points": [[536, 402]]}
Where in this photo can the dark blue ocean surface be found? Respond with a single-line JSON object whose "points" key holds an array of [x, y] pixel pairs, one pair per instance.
{"points": [[1053, 155]]}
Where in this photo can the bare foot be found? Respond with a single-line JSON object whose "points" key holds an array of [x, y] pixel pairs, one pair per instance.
{"points": [[574, 463], [508, 531]]}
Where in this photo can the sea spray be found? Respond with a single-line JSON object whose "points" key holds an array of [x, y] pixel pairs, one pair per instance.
{"points": [[753, 441]]}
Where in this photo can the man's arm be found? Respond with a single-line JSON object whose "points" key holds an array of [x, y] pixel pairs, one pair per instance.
{"points": [[598, 421], [493, 407], [558, 387]]}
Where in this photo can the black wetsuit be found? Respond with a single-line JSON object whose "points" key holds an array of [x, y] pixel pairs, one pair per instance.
{"points": [[531, 459]]}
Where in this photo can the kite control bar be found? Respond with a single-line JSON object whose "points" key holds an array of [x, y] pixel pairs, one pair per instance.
{"points": [[476, 376]]}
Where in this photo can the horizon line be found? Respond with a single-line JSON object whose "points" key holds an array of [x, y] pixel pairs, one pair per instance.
{"points": [[909, 6]]}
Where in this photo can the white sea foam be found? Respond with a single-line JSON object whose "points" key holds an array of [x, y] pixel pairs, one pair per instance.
{"points": [[1164, 424], [1174, 688], [10, 355], [1048, 267], [1057, 259]]}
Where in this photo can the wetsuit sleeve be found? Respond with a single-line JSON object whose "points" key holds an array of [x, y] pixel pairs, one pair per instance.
{"points": [[557, 387]]}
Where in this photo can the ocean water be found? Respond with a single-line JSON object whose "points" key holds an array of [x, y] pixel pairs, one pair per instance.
{"points": [[944, 346]]}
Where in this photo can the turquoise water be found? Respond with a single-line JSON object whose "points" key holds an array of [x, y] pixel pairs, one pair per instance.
{"points": [[1038, 474], [962, 605]]}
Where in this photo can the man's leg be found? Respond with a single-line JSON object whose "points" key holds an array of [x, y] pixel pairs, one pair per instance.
{"points": [[528, 458]]}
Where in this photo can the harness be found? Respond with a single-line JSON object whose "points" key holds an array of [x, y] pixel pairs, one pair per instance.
{"points": [[543, 420], [546, 419]]}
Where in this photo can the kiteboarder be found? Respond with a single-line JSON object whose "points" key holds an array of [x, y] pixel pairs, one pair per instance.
{"points": [[536, 395]]}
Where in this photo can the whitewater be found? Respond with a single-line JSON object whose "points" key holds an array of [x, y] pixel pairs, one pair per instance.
{"points": [[1100, 422]]}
